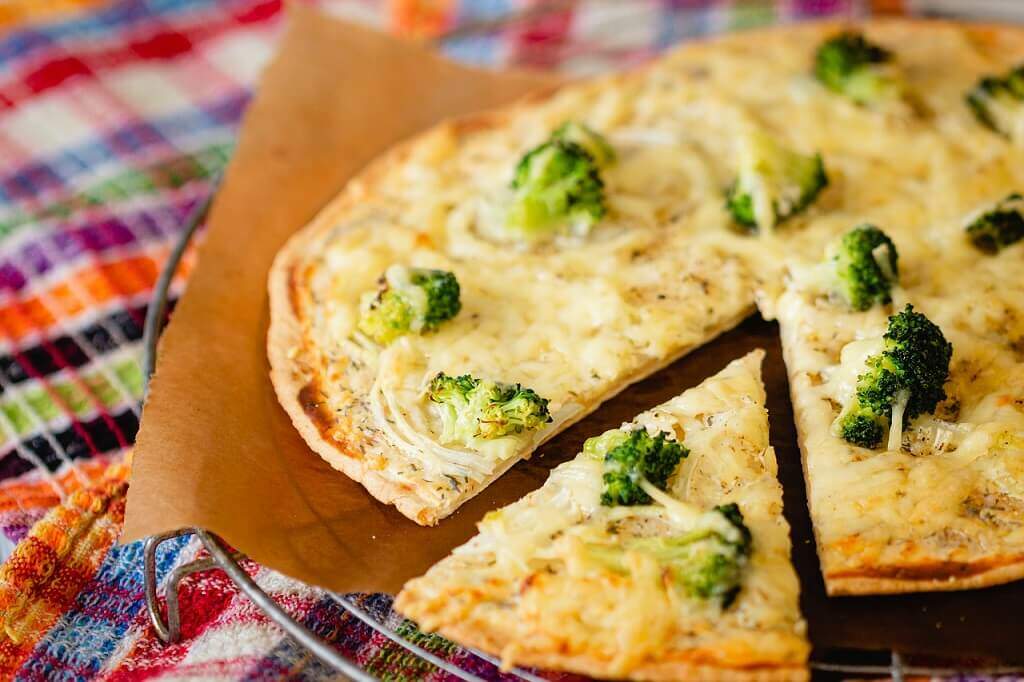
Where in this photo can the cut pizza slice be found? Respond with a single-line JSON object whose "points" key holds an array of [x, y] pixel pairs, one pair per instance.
{"points": [[659, 552], [909, 406], [425, 336]]}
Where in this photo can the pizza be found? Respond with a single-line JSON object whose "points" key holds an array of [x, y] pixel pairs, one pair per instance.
{"points": [[685, 577], [490, 282]]}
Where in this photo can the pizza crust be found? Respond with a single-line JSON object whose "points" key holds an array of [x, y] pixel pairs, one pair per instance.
{"points": [[861, 585], [931, 572], [292, 361], [838, 584], [479, 636]]}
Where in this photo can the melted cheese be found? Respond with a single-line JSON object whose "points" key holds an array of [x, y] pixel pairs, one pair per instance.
{"points": [[572, 320]]}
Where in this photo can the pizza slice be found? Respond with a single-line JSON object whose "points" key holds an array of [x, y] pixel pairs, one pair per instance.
{"points": [[906, 366], [659, 552], [425, 336]]}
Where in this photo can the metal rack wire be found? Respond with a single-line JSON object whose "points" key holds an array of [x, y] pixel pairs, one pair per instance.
{"points": [[166, 621]]}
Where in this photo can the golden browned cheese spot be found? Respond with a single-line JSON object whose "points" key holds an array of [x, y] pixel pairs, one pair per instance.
{"points": [[311, 398], [293, 291]]}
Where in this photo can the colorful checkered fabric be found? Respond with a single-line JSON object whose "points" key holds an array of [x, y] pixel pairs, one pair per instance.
{"points": [[19, 12], [112, 125]]}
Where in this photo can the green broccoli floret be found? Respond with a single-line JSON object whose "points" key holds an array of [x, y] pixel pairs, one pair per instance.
{"points": [[473, 408], [704, 562], [409, 301], [902, 381], [1000, 226], [864, 262], [774, 183], [583, 135], [558, 189], [631, 457], [598, 446], [998, 103], [862, 426], [857, 69]]}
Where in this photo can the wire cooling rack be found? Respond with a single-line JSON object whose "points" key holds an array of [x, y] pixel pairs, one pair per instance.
{"points": [[166, 619]]}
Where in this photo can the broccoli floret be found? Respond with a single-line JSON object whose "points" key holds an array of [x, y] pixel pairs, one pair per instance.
{"points": [[473, 408], [1000, 226], [706, 560], [598, 446], [857, 69], [774, 183], [631, 457], [865, 266], [409, 301], [902, 381], [595, 144], [862, 426], [703, 562], [998, 103], [558, 189]]}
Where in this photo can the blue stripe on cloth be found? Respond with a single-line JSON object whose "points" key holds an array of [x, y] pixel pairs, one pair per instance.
{"points": [[483, 49], [105, 231], [78, 645], [682, 19], [121, 144], [97, 23], [288, 659]]}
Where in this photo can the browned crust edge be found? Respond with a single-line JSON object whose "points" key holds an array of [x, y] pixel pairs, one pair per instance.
{"points": [[477, 636], [288, 351], [945, 578]]}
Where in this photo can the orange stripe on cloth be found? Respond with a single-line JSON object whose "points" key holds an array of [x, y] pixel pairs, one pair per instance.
{"points": [[39, 493], [49, 567], [421, 18], [14, 12], [93, 285]]}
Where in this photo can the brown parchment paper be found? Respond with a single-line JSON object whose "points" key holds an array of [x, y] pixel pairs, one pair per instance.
{"points": [[215, 449]]}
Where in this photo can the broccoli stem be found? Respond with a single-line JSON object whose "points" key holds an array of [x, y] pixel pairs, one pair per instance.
{"points": [[899, 408], [686, 514]]}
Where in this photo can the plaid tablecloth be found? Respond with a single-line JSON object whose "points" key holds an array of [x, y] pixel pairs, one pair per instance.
{"points": [[112, 123]]}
